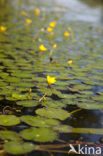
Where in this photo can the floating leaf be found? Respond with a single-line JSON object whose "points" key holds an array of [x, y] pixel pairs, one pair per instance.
{"points": [[39, 134], [17, 148], [88, 130], [53, 104], [63, 128], [82, 87], [39, 121], [23, 84], [20, 97], [9, 135], [53, 113], [28, 103], [9, 120], [91, 106]]}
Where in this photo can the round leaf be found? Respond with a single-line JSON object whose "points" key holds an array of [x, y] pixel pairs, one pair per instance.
{"points": [[18, 147], [39, 134], [39, 121], [53, 113], [9, 120]]}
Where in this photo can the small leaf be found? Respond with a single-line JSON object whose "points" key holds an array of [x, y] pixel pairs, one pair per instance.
{"points": [[28, 103], [63, 128]]}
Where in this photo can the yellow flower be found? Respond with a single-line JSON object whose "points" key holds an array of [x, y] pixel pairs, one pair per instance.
{"points": [[42, 48], [30, 90], [50, 80], [49, 29], [54, 46], [44, 98], [66, 33], [28, 21], [24, 13], [3, 28], [37, 11], [53, 24], [70, 62], [42, 29]]}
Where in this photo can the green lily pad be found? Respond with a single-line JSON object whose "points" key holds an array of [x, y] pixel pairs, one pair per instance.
{"points": [[82, 87], [63, 128], [53, 104], [23, 84], [18, 148], [39, 134], [28, 103], [19, 97], [91, 106], [53, 113], [9, 120], [39, 121], [9, 135], [88, 130], [12, 79]]}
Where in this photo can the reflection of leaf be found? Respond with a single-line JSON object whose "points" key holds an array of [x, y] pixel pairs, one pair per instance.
{"points": [[53, 113]]}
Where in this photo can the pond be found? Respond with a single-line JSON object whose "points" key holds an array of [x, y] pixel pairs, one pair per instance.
{"points": [[51, 77]]}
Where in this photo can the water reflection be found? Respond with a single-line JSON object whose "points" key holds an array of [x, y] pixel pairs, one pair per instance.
{"points": [[83, 10], [95, 4]]}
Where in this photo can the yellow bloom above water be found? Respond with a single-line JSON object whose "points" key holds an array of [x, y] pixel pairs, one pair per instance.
{"points": [[53, 24], [49, 29], [50, 80], [30, 90], [37, 11], [42, 48], [66, 33], [54, 46], [28, 21], [3, 28], [70, 62]]}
